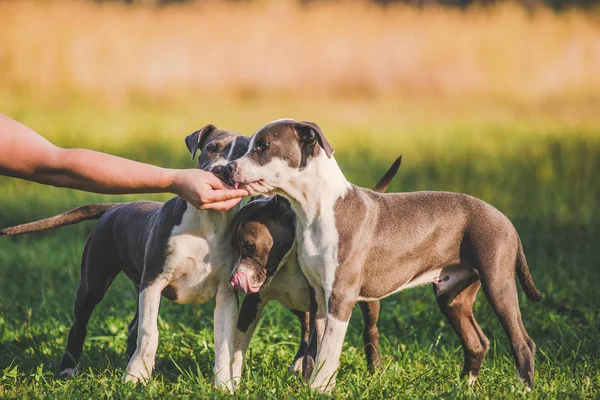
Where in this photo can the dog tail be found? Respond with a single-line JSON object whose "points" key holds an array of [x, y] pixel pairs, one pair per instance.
{"points": [[525, 276], [89, 211], [383, 183]]}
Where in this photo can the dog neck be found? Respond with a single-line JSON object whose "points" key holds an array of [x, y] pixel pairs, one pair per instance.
{"points": [[313, 191]]}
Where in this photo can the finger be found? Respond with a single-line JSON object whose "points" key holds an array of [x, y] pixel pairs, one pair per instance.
{"points": [[221, 205], [223, 195], [213, 180]]}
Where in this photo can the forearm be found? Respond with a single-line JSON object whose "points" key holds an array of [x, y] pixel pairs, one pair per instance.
{"points": [[27, 155], [102, 173]]}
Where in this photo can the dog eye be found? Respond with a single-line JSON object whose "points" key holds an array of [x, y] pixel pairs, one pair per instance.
{"points": [[248, 249], [261, 145], [212, 148]]}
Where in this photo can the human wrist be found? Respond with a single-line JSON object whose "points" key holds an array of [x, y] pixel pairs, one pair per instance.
{"points": [[172, 181]]}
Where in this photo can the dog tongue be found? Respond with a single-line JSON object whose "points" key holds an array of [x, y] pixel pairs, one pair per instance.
{"points": [[240, 281], [236, 185]]}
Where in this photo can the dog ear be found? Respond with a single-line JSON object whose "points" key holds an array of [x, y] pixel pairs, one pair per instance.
{"points": [[195, 141], [309, 132]]}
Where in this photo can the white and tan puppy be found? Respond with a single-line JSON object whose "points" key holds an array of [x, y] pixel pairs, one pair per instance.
{"points": [[356, 244]]}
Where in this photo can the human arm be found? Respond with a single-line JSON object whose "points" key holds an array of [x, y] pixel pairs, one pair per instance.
{"points": [[27, 155]]}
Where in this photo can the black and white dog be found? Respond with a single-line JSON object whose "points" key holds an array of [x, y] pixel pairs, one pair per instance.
{"points": [[172, 250]]}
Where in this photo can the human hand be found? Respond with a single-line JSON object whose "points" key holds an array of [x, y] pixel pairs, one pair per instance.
{"points": [[204, 190]]}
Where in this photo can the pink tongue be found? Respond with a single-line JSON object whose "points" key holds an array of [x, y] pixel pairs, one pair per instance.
{"points": [[236, 185], [240, 281]]}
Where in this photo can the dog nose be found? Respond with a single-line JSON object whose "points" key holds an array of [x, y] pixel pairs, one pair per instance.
{"points": [[221, 172]]}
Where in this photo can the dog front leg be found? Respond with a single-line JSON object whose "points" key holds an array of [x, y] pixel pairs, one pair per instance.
{"points": [[339, 308], [252, 306], [225, 317], [141, 364]]}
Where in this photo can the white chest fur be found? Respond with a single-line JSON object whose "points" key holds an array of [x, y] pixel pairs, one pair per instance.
{"points": [[317, 251], [313, 195], [201, 257]]}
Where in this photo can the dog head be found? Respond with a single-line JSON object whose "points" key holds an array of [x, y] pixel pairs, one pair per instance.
{"points": [[217, 147], [263, 237], [277, 153]]}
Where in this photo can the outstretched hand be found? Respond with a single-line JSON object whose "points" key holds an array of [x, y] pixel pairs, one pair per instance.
{"points": [[27, 155], [205, 191]]}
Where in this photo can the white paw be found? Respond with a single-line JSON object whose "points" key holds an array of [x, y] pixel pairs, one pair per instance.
{"points": [[296, 367], [228, 386], [472, 378], [324, 386], [68, 373], [138, 371]]}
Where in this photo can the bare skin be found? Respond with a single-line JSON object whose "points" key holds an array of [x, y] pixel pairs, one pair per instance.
{"points": [[27, 155]]}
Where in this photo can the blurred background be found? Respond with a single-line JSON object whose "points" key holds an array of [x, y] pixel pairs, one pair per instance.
{"points": [[498, 99]]}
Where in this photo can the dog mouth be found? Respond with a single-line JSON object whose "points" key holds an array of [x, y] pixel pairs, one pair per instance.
{"points": [[254, 188], [241, 282]]}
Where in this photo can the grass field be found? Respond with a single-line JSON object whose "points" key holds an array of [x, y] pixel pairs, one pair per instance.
{"points": [[543, 175], [490, 102]]}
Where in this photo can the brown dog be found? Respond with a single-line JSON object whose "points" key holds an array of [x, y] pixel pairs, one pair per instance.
{"points": [[355, 244]]}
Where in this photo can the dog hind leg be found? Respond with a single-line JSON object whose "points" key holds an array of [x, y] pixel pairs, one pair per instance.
{"points": [[458, 310], [503, 297], [305, 330], [370, 312], [96, 276]]}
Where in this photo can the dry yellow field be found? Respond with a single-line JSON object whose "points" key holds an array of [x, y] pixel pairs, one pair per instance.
{"points": [[52, 49]]}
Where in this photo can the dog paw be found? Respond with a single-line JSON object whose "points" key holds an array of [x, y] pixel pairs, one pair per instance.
{"points": [[324, 387], [227, 386], [135, 378], [472, 378], [138, 371], [68, 373], [324, 379], [296, 367]]}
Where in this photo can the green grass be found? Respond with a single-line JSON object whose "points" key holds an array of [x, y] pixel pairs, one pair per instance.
{"points": [[543, 172]]}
